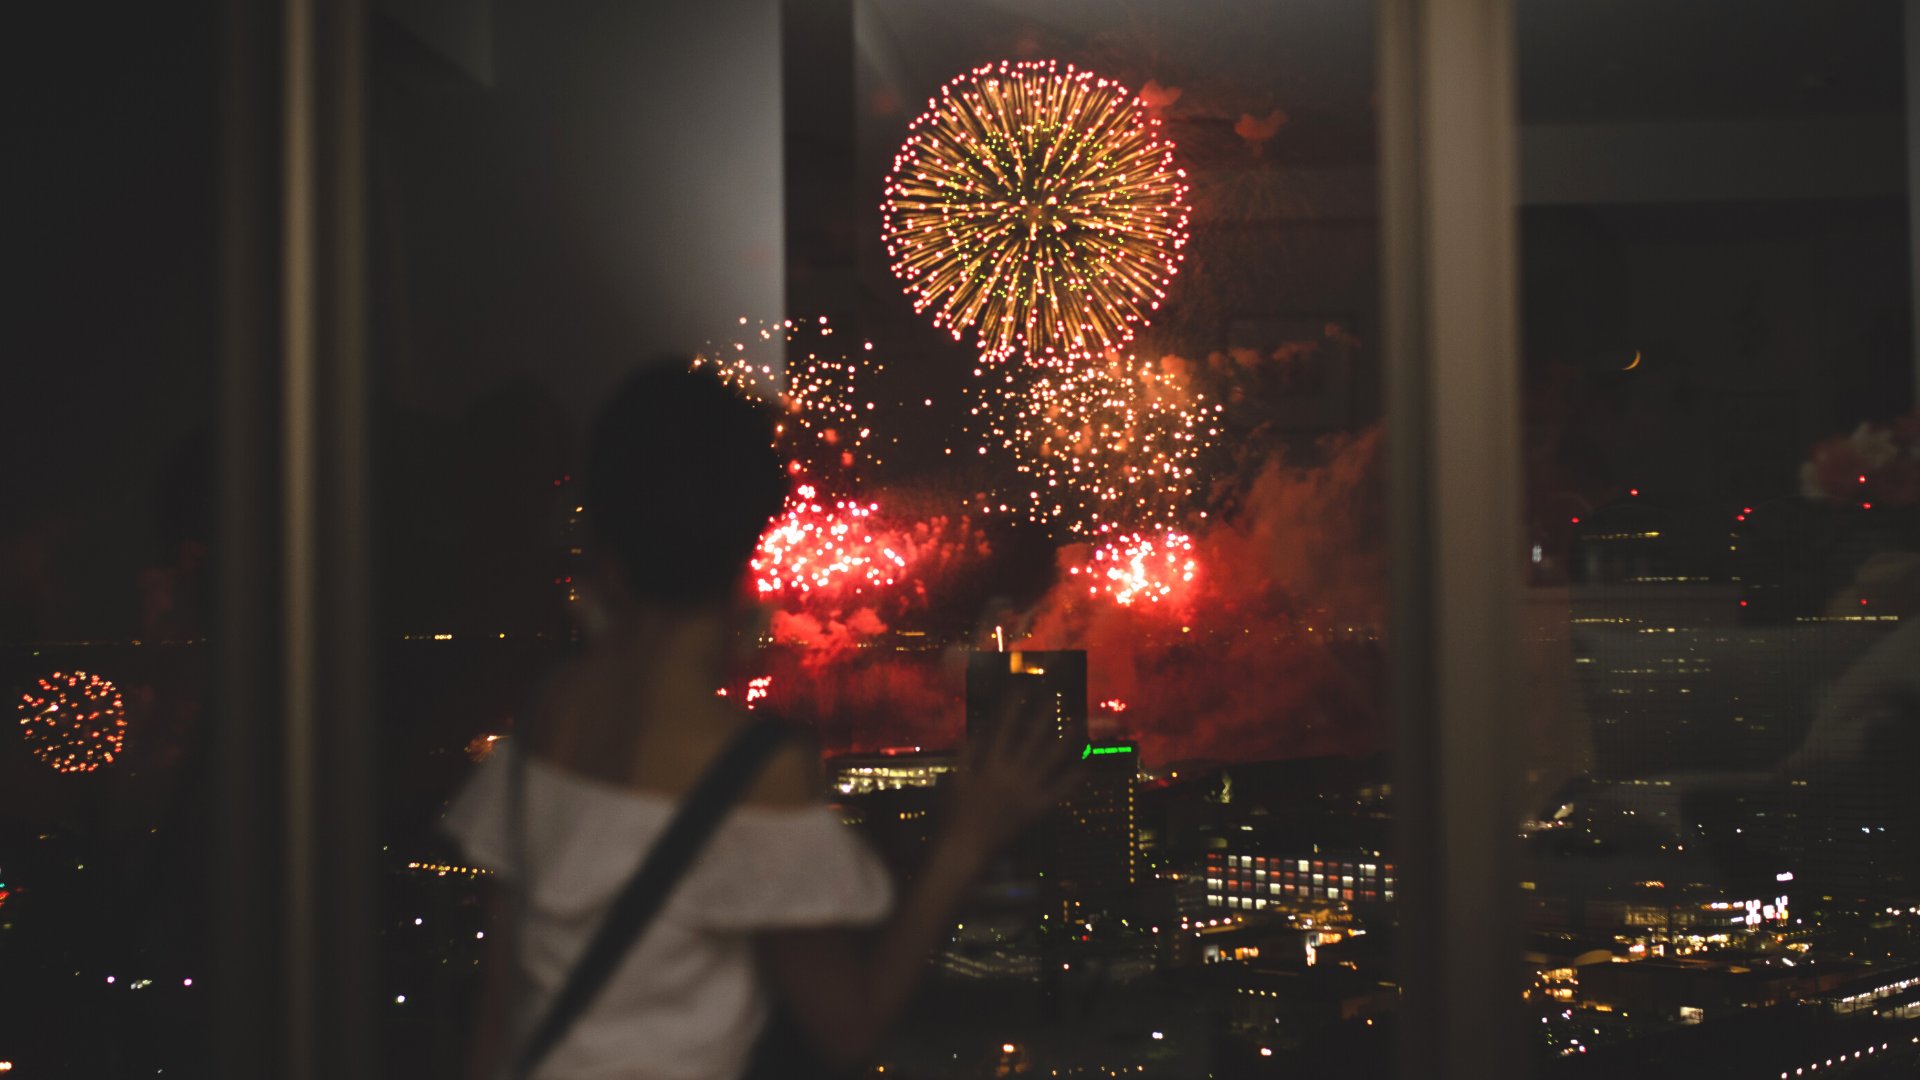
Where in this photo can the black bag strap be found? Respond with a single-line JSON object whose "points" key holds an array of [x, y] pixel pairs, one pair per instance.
{"points": [[636, 905]]}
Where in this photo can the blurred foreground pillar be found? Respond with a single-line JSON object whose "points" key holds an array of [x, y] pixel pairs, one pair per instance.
{"points": [[1449, 217], [293, 900]]}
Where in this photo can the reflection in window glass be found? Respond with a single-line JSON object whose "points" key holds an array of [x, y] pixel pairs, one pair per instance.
{"points": [[1722, 861]]}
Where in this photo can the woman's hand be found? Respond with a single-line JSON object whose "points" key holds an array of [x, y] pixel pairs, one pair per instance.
{"points": [[1011, 777], [844, 997]]}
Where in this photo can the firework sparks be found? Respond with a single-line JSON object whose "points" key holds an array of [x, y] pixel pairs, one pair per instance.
{"points": [[824, 423], [73, 721], [481, 747], [759, 688], [825, 542], [1137, 567], [1097, 447], [819, 545], [1040, 204]]}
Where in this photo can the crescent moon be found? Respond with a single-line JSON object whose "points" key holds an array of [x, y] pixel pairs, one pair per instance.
{"points": [[1636, 361]]}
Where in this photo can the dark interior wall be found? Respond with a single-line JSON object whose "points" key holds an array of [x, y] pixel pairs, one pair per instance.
{"points": [[607, 188], [615, 192], [109, 336]]}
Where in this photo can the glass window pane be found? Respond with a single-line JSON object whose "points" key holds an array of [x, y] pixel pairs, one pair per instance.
{"points": [[1131, 483], [107, 554], [1721, 447]]}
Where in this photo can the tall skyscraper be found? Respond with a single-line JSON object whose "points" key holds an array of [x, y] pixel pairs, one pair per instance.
{"points": [[1085, 854], [1099, 858], [1042, 687]]}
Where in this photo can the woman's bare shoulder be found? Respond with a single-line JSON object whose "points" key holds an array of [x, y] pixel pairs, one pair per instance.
{"points": [[790, 778], [592, 728]]}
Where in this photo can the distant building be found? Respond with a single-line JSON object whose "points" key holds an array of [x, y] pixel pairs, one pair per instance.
{"points": [[1098, 856], [888, 770], [899, 822], [1696, 989], [1085, 854], [1276, 1001], [1673, 678], [1239, 879], [1049, 685], [1642, 902], [1676, 681]]}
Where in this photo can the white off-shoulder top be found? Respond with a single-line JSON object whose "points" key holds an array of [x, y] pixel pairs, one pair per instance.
{"points": [[687, 1002]]}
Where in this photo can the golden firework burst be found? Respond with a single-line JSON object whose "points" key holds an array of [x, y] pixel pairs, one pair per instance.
{"points": [[1039, 204]]}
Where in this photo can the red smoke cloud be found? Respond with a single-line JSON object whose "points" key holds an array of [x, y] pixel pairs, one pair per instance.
{"points": [[874, 697], [1273, 652]]}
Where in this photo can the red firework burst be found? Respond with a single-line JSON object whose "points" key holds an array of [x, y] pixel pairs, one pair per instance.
{"points": [[1139, 568], [825, 545], [73, 721]]}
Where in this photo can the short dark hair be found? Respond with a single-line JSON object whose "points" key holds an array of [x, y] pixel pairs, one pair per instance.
{"points": [[682, 479]]}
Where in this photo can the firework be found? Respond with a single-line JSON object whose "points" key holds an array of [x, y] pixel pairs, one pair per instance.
{"points": [[1038, 203], [73, 721], [1104, 445], [825, 424], [824, 545], [1139, 567], [758, 689]]}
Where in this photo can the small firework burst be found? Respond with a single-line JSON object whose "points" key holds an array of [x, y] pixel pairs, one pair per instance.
{"points": [[1107, 444], [481, 747], [824, 545], [74, 721], [758, 689], [1039, 204], [1139, 568]]}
